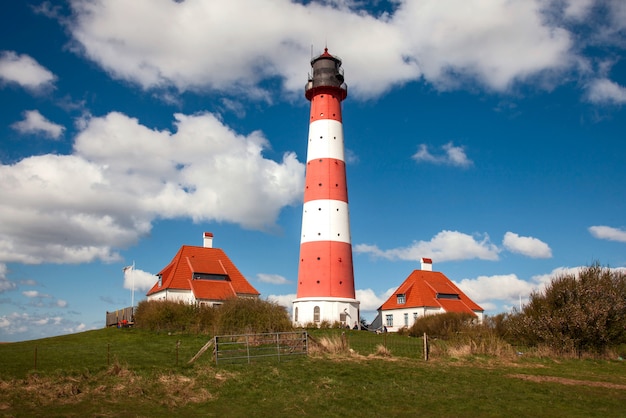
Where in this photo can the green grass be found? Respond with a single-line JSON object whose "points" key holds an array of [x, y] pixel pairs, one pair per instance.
{"points": [[140, 377]]}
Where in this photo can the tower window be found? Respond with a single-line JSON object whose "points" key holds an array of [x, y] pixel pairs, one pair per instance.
{"points": [[316, 314]]}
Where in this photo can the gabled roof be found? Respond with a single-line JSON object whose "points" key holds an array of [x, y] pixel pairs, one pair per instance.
{"points": [[178, 274], [432, 289]]}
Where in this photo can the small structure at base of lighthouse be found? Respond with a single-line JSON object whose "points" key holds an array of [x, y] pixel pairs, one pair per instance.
{"points": [[325, 273]]}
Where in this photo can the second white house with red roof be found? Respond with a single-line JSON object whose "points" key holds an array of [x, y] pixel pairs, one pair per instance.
{"points": [[424, 292]]}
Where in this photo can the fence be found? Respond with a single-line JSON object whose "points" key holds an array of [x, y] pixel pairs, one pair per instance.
{"points": [[123, 316], [280, 345]]}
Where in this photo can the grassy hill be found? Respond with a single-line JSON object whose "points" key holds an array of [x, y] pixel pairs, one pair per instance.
{"points": [[129, 372]]}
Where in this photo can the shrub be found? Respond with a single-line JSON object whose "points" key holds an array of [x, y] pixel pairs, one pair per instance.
{"points": [[584, 312], [442, 325], [251, 315], [234, 316]]}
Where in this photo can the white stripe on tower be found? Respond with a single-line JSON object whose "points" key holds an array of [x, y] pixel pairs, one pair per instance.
{"points": [[325, 271]]}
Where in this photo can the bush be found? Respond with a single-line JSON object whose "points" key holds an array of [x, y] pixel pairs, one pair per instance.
{"points": [[234, 316], [251, 315], [584, 312], [443, 325]]}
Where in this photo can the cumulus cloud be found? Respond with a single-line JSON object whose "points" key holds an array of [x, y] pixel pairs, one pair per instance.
{"points": [[283, 300], [445, 246], [24, 71], [35, 123], [272, 278], [604, 90], [608, 233], [123, 175], [452, 155], [370, 301], [138, 279], [528, 246], [173, 44], [488, 291], [5, 284], [15, 325]]}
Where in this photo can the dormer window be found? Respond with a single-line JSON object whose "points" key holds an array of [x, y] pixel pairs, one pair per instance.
{"points": [[160, 276], [208, 276], [401, 297], [448, 296]]}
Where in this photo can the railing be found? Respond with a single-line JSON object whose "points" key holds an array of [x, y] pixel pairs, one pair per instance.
{"points": [[256, 346]]}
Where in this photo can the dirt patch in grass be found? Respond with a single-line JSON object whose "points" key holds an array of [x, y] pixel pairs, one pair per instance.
{"points": [[566, 381]]}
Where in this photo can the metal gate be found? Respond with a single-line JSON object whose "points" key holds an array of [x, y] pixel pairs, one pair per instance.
{"points": [[256, 346]]}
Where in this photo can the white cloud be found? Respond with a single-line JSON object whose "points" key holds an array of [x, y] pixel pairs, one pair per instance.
{"points": [[528, 246], [495, 42], [452, 155], [25, 71], [35, 123], [283, 300], [17, 326], [165, 43], [34, 294], [123, 175], [603, 90], [138, 279], [370, 301], [5, 284], [577, 9], [272, 278], [445, 246], [487, 291], [608, 233]]}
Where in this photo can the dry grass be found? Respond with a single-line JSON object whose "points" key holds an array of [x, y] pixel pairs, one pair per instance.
{"points": [[329, 345]]}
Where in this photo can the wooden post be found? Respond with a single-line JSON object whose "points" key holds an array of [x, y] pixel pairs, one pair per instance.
{"points": [[202, 350], [425, 347], [177, 345], [35, 357]]}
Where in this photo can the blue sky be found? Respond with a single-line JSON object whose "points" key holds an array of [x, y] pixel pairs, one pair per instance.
{"points": [[489, 136]]}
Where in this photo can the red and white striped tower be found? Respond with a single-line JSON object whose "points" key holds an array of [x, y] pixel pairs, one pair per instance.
{"points": [[325, 274]]}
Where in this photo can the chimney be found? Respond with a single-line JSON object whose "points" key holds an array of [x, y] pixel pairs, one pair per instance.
{"points": [[427, 264], [208, 240]]}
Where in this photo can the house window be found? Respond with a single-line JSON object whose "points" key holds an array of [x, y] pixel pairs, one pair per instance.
{"points": [[448, 296], [415, 314], [160, 276], [406, 319], [389, 320], [295, 316], [316, 314], [401, 299], [342, 318], [209, 276]]}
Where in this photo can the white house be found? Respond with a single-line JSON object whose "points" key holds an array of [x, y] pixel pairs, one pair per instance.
{"points": [[202, 275], [424, 292]]}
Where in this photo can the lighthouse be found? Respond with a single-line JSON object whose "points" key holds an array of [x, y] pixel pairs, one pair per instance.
{"points": [[325, 273]]}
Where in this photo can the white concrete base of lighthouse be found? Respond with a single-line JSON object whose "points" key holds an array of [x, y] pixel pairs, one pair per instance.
{"points": [[306, 311]]}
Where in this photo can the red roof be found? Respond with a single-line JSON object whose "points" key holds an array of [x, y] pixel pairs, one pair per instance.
{"points": [[425, 288], [193, 261]]}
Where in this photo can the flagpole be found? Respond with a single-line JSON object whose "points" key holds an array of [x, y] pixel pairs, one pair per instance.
{"points": [[132, 291]]}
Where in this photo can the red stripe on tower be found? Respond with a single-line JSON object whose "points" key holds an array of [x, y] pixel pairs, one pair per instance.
{"points": [[325, 273]]}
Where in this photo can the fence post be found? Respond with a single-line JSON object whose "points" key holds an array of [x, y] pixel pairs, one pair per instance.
{"points": [[425, 347], [35, 357], [177, 345]]}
